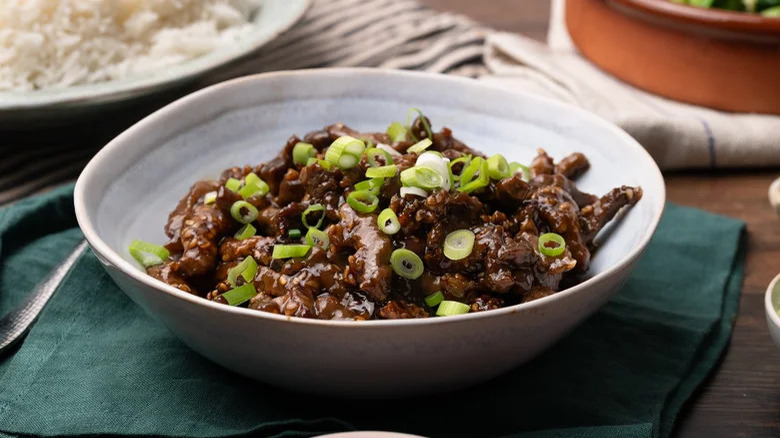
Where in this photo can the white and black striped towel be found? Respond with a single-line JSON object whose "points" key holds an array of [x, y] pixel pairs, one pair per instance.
{"points": [[334, 33]]}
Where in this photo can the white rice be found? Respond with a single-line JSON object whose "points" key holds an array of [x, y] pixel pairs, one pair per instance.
{"points": [[59, 43]]}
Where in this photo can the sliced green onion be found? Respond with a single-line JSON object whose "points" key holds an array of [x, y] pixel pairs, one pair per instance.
{"points": [[302, 152], [397, 132], [515, 166], [551, 244], [387, 221], [250, 190], [246, 270], [325, 165], [452, 308], [389, 150], [233, 184], [477, 183], [466, 159], [459, 244], [469, 172], [372, 155], [369, 144], [252, 178], [373, 185], [421, 177], [388, 171], [253, 186], [315, 237], [210, 198], [436, 162], [498, 167], [148, 254], [249, 216], [288, 251], [294, 233], [363, 201], [345, 152], [422, 120], [240, 295], [413, 191], [420, 146], [406, 264], [434, 299], [245, 232], [313, 209]]}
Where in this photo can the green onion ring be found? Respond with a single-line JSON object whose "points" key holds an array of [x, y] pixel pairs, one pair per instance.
{"points": [[388, 171], [245, 232], [459, 244], [148, 254], [452, 308], [406, 264], [420, 146], [498, 167], [469, 172], [240, 295], [250, 216], [466, 159], [434, 299], [315, 237], [373, 153], [387, 221], [397, 132], [416, 191], [246, 270], [302, 152], [313, 209], [373, 185], [288, 251], [363, 201], [515, 166], [233, 184], [345, 152], [422, 177], [480, 182], [252, 178], [294, 233], [551, 251]]}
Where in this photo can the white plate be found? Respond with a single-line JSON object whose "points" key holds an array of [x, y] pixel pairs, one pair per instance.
{"points": [[127, 190], [273, 18]]}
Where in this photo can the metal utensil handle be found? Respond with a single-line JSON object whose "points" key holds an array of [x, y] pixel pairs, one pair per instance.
{"points": [[15, 325]]}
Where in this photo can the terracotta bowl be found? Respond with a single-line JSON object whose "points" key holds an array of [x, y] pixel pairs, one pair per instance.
{"points": [[720, 59]]}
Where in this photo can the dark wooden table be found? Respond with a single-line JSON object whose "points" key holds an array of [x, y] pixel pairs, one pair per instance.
{"points": [[742, 396]]}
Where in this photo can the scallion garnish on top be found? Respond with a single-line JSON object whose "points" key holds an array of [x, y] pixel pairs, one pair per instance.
{"points": [[148, 254], [551, 244]]}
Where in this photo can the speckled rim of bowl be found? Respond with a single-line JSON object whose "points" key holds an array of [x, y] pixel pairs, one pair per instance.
{"points": [[130, 86], [771, 310], [99, 246], [707, 17]]}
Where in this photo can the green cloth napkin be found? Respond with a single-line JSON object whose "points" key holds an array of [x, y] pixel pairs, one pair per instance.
{"points": [[94, 363]]}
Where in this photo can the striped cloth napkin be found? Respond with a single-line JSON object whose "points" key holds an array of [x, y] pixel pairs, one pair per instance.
{"points": [[334, 33]]}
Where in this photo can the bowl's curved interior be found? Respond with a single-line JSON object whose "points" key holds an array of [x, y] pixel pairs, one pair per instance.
{"points": [[128, 189], [273, 17]]}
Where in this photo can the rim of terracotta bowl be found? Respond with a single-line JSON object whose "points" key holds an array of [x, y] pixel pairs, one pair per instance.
{"points": [[707, 17], [105, 252]]}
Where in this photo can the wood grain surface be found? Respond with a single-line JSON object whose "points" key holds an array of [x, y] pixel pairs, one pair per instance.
{"points": [[742, 397]]}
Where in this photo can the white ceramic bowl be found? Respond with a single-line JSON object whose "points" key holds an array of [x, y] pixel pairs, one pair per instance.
{"points": [[772, 305], [129, 187]]}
